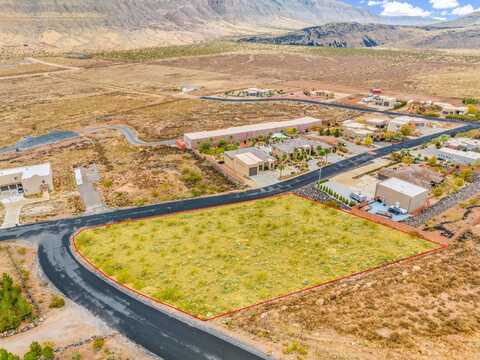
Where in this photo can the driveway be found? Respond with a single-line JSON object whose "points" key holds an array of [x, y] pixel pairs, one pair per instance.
{"points": [[13, 205], [86, 177]]}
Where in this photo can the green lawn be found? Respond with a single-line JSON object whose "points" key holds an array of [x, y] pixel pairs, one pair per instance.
{"points": [[212, 261]]}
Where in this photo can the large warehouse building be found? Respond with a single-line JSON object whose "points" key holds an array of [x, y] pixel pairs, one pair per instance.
{"points": [[28, 180], [242, 133], [396, 192]]}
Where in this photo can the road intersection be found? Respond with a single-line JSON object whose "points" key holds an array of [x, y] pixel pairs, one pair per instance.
{"points": [[164, 332]]}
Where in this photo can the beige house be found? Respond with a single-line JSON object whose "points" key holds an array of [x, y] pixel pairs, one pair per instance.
{"points": [[26, 180], [248, 162], [396, 124], [448, 109], [358, 130], [396, 192]]}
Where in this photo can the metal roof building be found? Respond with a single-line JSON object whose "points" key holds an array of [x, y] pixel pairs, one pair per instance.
{"points": [[241, 133], [396, 192]]}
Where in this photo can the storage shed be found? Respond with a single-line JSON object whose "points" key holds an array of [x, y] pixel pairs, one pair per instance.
{"points": [[395, 192]]}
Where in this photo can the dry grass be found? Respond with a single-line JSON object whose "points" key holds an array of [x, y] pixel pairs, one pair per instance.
{"points": [[212, 261], [71, 113], [172, 119], [410, 311], [130, 175]]}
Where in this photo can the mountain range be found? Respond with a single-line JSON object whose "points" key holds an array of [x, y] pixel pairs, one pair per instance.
{"points": [[135, 23], [459, 34], [104, 24]]}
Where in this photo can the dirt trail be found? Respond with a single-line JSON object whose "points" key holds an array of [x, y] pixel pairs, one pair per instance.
{"points": [[38, 61], [63, 69]]}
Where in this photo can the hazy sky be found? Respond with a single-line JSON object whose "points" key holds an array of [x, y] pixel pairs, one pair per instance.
{"points": [[444, 9]]}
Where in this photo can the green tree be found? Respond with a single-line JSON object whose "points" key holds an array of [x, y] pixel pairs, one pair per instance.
{"points": [[5, 355], [407, 130], [13, 306], [432, 161], [472, 109], [407, 159], [34, 352]]}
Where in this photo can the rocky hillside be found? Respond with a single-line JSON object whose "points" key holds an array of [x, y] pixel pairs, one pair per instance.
{"points": [[356, 35], [472, 19], [94, 24], [340, 35]]}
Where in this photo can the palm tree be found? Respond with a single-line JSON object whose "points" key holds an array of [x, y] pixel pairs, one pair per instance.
{"points": [[327, 151]]}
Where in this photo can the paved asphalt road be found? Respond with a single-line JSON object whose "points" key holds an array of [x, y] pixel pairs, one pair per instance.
{"points": [[169, 335]]}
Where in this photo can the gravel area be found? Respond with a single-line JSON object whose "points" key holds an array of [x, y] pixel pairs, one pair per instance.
{"points": [[313, 193], [446, 203]]}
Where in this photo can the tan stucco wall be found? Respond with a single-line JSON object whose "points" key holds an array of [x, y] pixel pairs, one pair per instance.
{"points": [[34, 184], [11, 179]]}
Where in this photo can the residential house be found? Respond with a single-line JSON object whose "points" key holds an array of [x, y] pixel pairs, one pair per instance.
{"points": [[288, 148], [458, 156], [248, 161], [463, 143], [27, 179]]}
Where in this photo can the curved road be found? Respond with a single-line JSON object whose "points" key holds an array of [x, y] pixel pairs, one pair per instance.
{"points": [[131, 135], [163, 332]]}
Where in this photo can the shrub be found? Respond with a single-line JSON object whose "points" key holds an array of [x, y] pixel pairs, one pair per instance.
{"points": [[190, 175], [98, 344], [107, 183], [56, 302], [399, 105], [205, 146], [76, 356], [47, 352], [295, 347], [437, 191], [470, 101]]}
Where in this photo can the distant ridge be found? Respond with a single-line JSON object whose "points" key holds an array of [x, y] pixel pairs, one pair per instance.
{"points": [[472, 19], [356, 35]]}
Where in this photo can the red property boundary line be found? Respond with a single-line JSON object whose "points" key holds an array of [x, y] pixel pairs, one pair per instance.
{"points": [[408, 230]]}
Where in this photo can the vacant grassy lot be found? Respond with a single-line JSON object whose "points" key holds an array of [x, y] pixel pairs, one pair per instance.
{"points": [[215, 260]]}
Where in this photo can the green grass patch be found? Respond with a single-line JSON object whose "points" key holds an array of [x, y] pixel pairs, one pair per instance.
{"points": [[215, 260]]}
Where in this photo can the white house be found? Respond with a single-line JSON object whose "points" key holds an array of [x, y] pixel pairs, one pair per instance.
{"points": [[458, 156], [28, 179], [448, 109], [396, 124], [355, 129], [463, 143]]}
